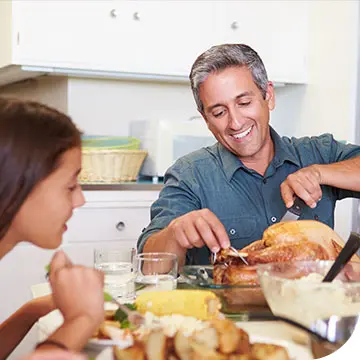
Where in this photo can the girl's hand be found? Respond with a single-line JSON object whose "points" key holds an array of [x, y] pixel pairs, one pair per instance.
{"points": [[53, 355], [41, 306], [77, 290]]}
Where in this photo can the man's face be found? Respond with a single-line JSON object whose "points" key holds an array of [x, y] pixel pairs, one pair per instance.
{"points": [[236, 112]]}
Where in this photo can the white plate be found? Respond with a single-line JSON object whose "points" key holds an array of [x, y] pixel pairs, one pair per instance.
{"points": [[96, 345], [296, 352]]}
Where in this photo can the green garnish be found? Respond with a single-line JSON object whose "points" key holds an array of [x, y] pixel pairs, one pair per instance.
{"points": [[127, 325], [107, 296], [120, 315]]}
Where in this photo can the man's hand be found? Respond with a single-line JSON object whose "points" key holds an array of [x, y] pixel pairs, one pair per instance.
{"points": [[198, 228], [305, 183]]}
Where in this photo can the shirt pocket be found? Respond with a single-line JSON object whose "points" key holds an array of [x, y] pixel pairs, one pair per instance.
{"points": [[242, 231]]}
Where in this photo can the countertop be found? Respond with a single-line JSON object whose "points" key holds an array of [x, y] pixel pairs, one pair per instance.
{"points": [[130, 186], [142, 184]]}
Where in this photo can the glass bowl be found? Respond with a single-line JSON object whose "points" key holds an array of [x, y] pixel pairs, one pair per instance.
{"points": [[234, 298], [295, 290]]}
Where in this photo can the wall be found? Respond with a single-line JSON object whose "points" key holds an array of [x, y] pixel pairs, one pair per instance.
{"points": [[5, 29], [328, 102], [49, 90], [107, 106]]}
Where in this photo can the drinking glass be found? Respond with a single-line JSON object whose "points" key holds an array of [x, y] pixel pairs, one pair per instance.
{"points": [[117, 265], [155, 271]]}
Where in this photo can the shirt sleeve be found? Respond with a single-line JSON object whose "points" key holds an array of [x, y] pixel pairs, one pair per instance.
{"points": [[178, 197], [339, 151]]}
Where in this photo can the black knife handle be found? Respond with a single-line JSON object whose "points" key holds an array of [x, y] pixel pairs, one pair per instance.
{"points": [[297, 207]]}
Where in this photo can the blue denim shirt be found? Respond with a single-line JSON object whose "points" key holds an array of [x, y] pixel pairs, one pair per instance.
{"points": [[244, 201]]}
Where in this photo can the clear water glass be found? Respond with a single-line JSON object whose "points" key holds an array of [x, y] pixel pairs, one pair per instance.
{"points": [[117, 265], [155, 271]]}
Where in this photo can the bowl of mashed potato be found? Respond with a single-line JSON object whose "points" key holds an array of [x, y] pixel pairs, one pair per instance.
{"points": [[295, 290]]}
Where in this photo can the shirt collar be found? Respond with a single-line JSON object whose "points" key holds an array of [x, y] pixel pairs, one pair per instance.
{"points": [[284, 151]]}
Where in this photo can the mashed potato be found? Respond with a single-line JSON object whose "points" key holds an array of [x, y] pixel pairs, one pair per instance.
{"points": [[308, 299], [172, 323]]}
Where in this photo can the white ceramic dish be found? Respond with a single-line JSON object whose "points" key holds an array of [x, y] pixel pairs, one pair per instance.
{"points": [[296, 352]]}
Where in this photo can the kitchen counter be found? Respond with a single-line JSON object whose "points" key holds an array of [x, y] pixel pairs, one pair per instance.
{"points": [[143, 183], [125, 186]]}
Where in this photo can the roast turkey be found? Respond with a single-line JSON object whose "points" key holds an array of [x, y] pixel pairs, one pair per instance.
{"points": [[281, 242]]}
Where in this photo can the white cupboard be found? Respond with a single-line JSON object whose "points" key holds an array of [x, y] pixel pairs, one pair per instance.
{"points": [[277, 30], [146, 39]]}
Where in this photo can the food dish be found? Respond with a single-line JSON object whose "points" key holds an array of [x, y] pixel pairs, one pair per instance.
{"points": [[234, 298], [218, 340], [296, 351], [292, 287], [281, 242]]}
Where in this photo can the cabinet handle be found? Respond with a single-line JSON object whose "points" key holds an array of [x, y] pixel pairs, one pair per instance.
{"points": [[234, 25], [113, 13], [120, 226], [136, 16]]}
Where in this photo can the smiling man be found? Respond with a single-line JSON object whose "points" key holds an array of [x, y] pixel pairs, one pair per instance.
{"points": [[229, 193]]}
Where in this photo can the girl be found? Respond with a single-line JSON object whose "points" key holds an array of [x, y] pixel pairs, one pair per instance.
{"points": [[40, 159]]}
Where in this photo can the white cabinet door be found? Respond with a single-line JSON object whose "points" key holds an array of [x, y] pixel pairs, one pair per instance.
{"points": [[153, 38], [108, 222], [277, 30], [111, 216], [165, 37], [157, 37], [72, 34]]}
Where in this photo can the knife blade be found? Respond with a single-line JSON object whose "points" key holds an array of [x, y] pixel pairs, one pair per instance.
{"points": [[294, 212]]}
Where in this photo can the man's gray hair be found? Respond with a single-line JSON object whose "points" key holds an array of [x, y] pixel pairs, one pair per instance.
{"points": [[220, 57]]}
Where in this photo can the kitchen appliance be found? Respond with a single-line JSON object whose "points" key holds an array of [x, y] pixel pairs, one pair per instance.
{"points": [[168, 140]]}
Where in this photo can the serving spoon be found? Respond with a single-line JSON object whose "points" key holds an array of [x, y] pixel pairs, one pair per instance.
{"points": [[345, 255]]}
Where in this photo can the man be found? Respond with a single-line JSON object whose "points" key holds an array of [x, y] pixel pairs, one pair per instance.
{"points": [[231, 192]]}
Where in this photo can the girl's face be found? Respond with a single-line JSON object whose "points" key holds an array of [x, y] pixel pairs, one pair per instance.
{"points": [[42, 218]]}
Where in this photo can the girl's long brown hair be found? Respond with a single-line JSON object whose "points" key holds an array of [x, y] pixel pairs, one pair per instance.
{"points": [[32, 139]]}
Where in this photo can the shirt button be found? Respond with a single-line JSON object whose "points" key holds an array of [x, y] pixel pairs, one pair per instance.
{"points": [[232, 231], [273, 219], [264, 181], [316, 217]]}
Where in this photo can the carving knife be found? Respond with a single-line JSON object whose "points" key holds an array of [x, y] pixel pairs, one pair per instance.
{"points": [[294, 212]]}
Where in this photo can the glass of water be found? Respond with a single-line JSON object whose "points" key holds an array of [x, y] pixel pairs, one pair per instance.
{"points": [[155, 271], [117, 265]]}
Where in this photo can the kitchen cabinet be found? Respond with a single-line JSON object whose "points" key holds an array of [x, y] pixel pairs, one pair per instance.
{"points": [[138, 37], [151, 40], [277, 30], [111, 216]]}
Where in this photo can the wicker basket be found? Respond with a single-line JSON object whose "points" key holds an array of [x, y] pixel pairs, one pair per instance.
{"points": [[110, 164]]}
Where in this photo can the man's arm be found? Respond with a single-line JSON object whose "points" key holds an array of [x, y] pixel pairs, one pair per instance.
{"points": [[163, 241], [343, 175], [195, 229], [337, 165]]}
